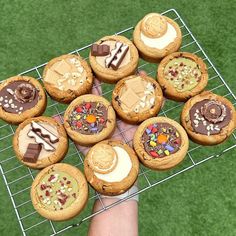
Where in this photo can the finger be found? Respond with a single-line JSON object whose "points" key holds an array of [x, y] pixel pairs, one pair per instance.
{"points": [[97, 89]]}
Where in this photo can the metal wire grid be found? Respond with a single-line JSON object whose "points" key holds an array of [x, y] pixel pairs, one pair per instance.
{"points": [[18, 178]]}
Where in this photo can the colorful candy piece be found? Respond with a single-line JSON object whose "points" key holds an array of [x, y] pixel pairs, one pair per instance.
{"points": [[79, 109], [167, 152], [91, 119], [88, 106], [153, 154], [78, 124], [169, 148], [94, 129], [92, 124], [78, 117], [161, 138], [159, 151], [177, 141], [153, 137], [150, 127], [148, 131], [154, 130], [101, 120], [152, 144]]}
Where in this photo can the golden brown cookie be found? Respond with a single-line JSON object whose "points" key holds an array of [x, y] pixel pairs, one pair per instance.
{"points": [[161, 143], [21, 97], [156, 36], [113, 58], [109, 173], [208, 118], [182, 75], [136, 98], [39, 142], [89, 119], [59, 192], [67, 77]]}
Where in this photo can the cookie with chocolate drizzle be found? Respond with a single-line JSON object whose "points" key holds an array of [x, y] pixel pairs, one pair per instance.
{"points": [[21, 97], [161, 143], [208, 118], [89, 119]]}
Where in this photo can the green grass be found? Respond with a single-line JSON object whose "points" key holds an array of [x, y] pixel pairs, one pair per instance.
{"points": [[198, 202]]}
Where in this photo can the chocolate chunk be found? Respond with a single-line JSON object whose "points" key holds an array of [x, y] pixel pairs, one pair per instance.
{"points": [[100, 50], [32, 153], [119, 57]]}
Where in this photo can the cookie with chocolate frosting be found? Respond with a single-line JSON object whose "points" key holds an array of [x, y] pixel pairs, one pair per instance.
{"points": [[111, 167], [161, 143], [156, 36], [182, 75], [21, 97], [59, 192], [89, 119], [39, 142], [67, 77], [208, 118], [113, 58], [137, 98]]}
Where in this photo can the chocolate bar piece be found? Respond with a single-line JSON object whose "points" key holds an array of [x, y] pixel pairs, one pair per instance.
{"points": [[116, 56], [100, 50], [32, 153], [113, 53], [119, 57], [36, 127], [39, 140]]}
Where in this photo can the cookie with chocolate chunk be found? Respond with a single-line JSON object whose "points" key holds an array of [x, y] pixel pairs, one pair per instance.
{"points": [[156, 36], [137, 98], [59, 192], [21, 97], [67, 77], [208, 118], [113, 58], [39, 142], [89, 119], [161, 143], [182, 75], [111, 167]]}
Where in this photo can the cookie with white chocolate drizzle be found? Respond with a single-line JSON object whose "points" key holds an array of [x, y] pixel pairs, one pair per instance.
{"points": [[21, 97], [208, 118]]}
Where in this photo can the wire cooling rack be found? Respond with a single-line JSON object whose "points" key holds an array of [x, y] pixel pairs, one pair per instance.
{"points": [[18, 178]]}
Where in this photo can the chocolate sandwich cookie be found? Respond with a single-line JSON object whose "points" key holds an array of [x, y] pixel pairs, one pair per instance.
{"points": [[21, 97], [161, 143], [182, 75], [89, 119], [113, 58], [208, 118], [156, 36], [59, 192], [136, 98], [111, 167], [67, 77], [40, 142]]}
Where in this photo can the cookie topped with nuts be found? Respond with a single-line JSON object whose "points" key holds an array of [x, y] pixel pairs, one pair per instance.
{"points": [[67, 77], [208, 118], [182, 75], [136, 98], [21, 97]]}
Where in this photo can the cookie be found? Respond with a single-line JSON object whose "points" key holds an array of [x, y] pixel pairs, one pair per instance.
{"points": [[160, 143], [111, 167], [59, 192], [182, 75], [21, 97], [156, 36], [89, 119], [113, 58], [39, 142], [67, 77], [137, 98], [208, 118]]}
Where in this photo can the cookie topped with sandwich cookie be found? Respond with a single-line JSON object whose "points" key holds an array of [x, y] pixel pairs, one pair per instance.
{"points": [[156, 36]]}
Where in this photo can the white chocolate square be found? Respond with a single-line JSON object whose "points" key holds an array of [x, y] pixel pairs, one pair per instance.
{"points": [[62, 67], [129, 98]]}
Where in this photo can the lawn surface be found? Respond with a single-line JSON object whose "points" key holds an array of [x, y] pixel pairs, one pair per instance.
{"points": [[198, 202]]}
